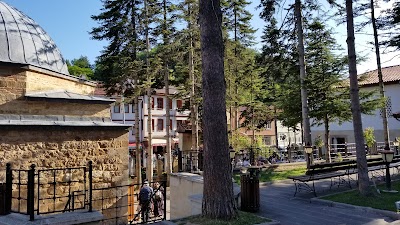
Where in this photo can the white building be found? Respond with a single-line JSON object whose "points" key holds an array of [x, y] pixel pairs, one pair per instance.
{"points": [[341, 133], [125, 113], [288, 136]]}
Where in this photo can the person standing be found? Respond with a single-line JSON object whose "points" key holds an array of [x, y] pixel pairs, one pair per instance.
{"points": [[145, 195]]}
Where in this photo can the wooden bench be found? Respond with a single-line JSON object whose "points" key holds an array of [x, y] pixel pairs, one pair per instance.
{"points": [[332, 171], [339, 173]]}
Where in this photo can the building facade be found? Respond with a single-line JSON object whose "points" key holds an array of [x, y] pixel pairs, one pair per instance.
{"points": [[344, 133], [124, 113]]}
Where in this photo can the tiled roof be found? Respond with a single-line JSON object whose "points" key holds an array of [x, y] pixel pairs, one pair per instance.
{"points": [[389, 74], [100, 91]]}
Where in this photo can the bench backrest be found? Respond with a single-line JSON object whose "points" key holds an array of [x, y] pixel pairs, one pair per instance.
{"points": [[344, 165]]}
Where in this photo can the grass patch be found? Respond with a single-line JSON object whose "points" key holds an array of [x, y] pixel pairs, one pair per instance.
{"points": [[244, 218], [383, 201], [276, 173]]}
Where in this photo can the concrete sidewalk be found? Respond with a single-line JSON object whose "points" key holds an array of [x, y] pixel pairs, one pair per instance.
{"points": [[277, 203]]}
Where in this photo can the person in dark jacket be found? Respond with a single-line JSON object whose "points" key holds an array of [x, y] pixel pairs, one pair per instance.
{"points": [[145, 195]]}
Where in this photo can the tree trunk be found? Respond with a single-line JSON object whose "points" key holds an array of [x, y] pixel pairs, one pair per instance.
{"points": [[149, 168], [327, 140], [363, 179], [137, 136], [168, 161], [276, 128], [193, 107], [381, 85], [167, 122], [217, 202], [138, 141], [304, 106]]}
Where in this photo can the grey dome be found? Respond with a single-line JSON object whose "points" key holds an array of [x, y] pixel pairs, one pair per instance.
{"points": [[22, 40]]}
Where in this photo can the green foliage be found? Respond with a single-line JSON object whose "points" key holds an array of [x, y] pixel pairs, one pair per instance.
{"points": [[278, 62], [369, 137], [274, 173], [239, 141], [389, 24], [328, 101], [318, 141], [118, 65], [339, 157], [80, 66]]}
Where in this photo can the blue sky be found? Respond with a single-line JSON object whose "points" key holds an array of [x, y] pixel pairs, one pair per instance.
{"points": [[68, 23]]}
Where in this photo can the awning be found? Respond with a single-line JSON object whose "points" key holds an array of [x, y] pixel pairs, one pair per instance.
{"points": [[132, 144], [161, 141], [158, 142]]}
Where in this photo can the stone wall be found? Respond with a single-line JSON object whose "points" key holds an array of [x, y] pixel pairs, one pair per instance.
{"points": [[61, 147], [14, 83], [36, 81], [24, 107], [50, 147]]}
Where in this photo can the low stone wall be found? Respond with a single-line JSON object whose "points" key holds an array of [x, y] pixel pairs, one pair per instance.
{"points": [[184, 187], [186, 194]]}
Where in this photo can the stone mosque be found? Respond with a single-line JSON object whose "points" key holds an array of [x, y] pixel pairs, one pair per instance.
{"points": [[47, 116]]}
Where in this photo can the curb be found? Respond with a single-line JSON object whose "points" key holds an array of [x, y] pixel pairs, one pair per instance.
{"points": [[387, 213], [273, 222], [274, 182]]}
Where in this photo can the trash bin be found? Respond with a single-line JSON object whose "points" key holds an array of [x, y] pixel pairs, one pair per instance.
{"points": [[250, 190]]}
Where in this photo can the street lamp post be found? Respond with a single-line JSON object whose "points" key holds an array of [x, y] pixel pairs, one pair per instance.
{"points": [[387, 157], [396, 145], [308, 150], [232, 154]]}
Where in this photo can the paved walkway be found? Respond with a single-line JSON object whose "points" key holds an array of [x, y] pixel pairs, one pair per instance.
{"points": [[278, 203]]}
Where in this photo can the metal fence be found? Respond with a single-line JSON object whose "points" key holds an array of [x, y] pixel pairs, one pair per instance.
{"points": [[58, 190], [45, 191], [190, 161]]}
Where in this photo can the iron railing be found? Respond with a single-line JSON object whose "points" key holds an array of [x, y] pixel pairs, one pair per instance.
{"points": [[58, 190], [190, 161], [55, 190]]}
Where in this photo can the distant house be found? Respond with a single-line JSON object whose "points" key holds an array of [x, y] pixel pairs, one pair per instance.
{"points": [[124, 113], [342, 133], [288, 136], [267, 132]]}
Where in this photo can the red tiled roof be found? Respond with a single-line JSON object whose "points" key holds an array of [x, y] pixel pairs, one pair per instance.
{"points": [[389, 74], [99, 91]]}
